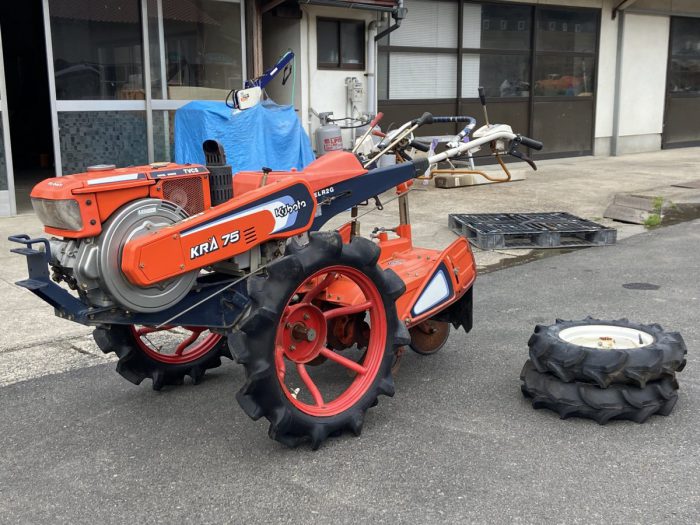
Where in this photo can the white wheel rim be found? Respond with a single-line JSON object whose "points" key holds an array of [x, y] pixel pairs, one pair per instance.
{"points": [[606, 337]]}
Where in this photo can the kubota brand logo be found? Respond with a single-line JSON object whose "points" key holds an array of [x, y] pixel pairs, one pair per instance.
{"points": [[286, 209]]}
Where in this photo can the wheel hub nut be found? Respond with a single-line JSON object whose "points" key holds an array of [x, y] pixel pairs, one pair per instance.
{"points": [[301, 332]]}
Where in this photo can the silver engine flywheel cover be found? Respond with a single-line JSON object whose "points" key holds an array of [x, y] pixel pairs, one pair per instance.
{"points": [[128, 223]]}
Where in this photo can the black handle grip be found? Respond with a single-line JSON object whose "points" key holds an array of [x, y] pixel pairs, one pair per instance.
{"points": [[531, 143], [441, 120], [482, 96], [426, 118], [420, 146]]}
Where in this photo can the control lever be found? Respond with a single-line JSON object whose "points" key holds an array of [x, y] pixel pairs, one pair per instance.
{"points": [[515, 152], [482, 99]]}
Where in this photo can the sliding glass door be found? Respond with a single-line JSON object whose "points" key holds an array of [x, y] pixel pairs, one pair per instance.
{"points": [[537, 63], [682, 125], [114, 96], [7, 189]]}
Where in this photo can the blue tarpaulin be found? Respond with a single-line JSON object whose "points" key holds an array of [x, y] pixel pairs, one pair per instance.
{"points": [[266, 135]]}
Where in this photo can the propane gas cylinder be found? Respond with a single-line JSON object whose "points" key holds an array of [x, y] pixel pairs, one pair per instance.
{"points": [[328, 136]]}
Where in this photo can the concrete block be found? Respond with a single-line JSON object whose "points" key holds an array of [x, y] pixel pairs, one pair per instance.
{"points": [[601, 147], [638, 143], [640, 202], [4, 203], [626, 214]]}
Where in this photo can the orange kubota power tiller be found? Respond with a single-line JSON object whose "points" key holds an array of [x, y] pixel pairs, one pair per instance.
{"points": [[175, 272]]}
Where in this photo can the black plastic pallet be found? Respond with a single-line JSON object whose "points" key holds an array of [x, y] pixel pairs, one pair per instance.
{"points": [[491, 231]]}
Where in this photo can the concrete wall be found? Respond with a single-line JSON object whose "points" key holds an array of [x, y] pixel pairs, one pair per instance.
{"points": [[605, 90], [325, 90], [644, 58], [668, 6]]}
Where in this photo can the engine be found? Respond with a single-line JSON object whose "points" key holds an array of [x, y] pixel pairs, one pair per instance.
{"points": [[93, 214], [92, 265]]}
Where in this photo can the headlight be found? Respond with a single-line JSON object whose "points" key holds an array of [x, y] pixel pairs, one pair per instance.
{"points": [[62, 214]]}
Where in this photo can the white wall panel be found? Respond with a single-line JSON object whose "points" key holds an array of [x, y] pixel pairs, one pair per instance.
{"points": [[607, 63], [644, 62]]}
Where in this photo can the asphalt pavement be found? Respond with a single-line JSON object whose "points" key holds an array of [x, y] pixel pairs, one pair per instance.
{"points": [[457, 443]]}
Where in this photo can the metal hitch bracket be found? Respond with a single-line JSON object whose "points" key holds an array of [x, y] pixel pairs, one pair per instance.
{"points": [[223, 311]]}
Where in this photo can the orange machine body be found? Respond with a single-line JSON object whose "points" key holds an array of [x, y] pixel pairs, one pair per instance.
{"points": [[330, 169], [265, 206], [433, 278], [278, 210], [100, 193]]}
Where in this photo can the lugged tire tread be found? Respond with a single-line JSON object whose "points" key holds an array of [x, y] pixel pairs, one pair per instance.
{"points": [[587, 400], [605, 367], [261, 395], [135, 366]]}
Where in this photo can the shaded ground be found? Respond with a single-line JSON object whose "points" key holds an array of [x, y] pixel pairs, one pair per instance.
{"points": [[457, 443]]}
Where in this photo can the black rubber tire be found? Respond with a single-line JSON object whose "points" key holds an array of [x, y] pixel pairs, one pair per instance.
{"points": [[135, 365], [253, 346], [604, 367], [601, 404]]}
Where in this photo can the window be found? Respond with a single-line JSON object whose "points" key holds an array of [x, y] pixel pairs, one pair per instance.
{"points": [[565, 51], [681, 125], [564, 76], [496, 46], [567, 30], [502, 76], [97, 50], [514, 51], [423, 57], [504, 27], [684, 71], [341, 44], [411, 76], [202, 52], [432, 23], [537, 63]]}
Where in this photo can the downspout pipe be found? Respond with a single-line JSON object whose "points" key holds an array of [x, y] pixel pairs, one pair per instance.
{"points": [[615, 139], [371, 68], [619, 13], [398, 15], [624, 4]]}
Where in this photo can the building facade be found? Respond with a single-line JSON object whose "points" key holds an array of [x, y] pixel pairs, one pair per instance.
{"points": [[586, 77], [85, 82]]}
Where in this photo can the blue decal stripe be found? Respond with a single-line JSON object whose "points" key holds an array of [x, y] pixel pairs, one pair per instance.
{"points": [[293, 193]]}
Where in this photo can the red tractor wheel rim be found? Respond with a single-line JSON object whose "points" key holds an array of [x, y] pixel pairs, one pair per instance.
{"points": [[194, 344], [301, 338]]}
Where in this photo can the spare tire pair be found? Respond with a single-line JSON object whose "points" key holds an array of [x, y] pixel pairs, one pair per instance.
{"points": [[603, 370]]}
